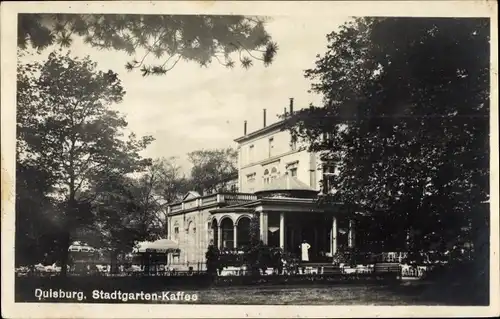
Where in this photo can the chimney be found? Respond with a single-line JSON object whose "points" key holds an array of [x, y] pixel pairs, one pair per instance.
{"points": [[291, 106], [245, 128], [284, 111], [264, 117]]}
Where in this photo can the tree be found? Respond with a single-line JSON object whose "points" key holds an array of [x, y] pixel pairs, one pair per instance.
{"points": [[127, 211], [171, 184], [132, 209], [36, 214], [405, 120], [169, 38], [66, 128], [255, 249], [213, 169]]}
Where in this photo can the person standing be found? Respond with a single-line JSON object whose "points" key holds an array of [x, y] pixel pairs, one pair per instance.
{"points": [[304, 247]]}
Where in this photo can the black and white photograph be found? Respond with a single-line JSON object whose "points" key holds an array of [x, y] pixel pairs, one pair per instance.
{"points": [[167, 155]]}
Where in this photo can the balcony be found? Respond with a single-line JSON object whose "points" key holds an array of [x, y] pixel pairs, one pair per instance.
{"points": [[220, 198]]}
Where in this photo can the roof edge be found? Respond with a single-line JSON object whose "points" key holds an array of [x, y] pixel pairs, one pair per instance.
{"points": [[260, 131]]}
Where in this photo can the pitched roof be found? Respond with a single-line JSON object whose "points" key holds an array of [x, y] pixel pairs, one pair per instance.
{"points": [[191, 194], [286, 182]]}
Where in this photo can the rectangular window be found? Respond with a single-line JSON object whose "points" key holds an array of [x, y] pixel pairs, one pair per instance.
{"points": [[271, 146], [292, 168], [328, 175], [250, 154], [251, 178], [176, 233]]}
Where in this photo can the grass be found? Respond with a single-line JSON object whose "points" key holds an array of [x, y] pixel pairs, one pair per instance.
{"points": [[401, 294]]}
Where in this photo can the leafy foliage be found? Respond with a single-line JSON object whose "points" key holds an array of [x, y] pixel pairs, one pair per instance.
{"points": [[213, 169], [37, 216], [254, 253], [127, 211], [212, 259], [167, 38], [405, 121], [171, 184], [66, 130]]}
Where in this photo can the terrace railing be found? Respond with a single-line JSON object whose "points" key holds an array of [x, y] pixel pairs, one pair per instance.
{"points": [[227, 198]]}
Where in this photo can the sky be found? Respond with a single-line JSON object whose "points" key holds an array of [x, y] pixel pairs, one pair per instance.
{"points": [[192, 108]]}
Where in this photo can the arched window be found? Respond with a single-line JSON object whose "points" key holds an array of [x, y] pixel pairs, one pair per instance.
{"points": [[274, 173], [243, 237], [266, 176], [227, 228]]}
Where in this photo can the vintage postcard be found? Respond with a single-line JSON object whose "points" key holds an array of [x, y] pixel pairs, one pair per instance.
{"points": [[249, 159]]}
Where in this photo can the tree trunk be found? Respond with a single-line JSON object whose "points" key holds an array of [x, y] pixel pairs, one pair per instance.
{"points": [[66, 233], [65, 243], [114, 262], [71, 209]]}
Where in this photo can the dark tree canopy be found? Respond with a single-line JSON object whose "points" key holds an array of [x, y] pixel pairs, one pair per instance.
{"points": [[171, 184], [406, 122], [37, 218], [68, 135], [166, 38], [213, 169], [127, 211]]}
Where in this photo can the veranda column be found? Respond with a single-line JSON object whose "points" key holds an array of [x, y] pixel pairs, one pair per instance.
{"points": [[263, 227], [282, 230], [351, 235], [334, 236], [219, 236], [235, 236]]}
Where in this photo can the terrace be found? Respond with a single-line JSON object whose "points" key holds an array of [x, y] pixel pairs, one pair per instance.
{"points": [[211, 200]]}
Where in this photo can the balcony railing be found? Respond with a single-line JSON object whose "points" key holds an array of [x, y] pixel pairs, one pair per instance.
{"points": [[228, 198]]}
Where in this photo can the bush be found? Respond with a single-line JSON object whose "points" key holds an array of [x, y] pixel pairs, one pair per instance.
{"points": [[256, 256], [212, 257]]}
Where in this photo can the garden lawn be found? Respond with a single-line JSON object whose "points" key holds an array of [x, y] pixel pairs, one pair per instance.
{"points": [[409, 293]]}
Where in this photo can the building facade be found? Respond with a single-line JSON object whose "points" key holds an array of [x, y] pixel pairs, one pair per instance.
{"points": [[280, 183], [271, 152]]}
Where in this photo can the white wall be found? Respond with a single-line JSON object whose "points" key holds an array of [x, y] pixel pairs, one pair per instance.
{"points": [[192, 245], [282, 155]]}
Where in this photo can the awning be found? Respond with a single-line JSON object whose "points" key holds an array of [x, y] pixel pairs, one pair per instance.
{"points": [[158, 246], [80, 247]]}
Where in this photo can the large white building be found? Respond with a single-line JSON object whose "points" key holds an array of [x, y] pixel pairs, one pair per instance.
{"points": [[280, 183], [271, 152]]}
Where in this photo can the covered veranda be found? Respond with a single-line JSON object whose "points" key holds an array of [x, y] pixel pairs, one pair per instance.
{"points": [[288, 213]]}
